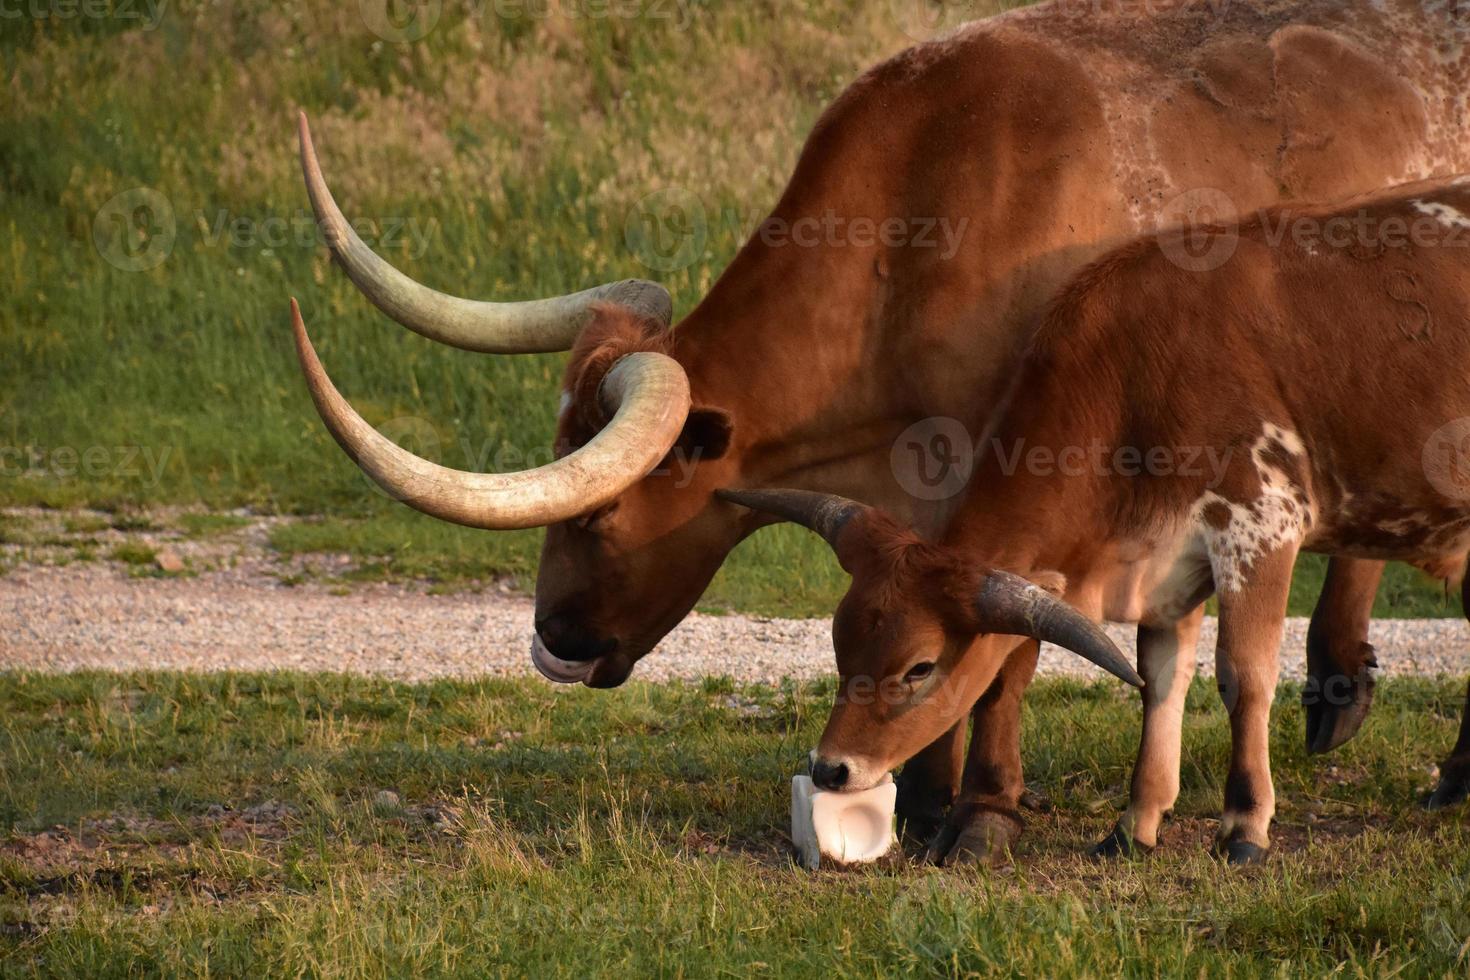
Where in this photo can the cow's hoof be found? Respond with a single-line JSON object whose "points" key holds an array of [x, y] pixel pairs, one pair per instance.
{"points": [[1119, 845], [1336, 702], [1241, 853], [921, 810], [975, 834], [1453, 789]]}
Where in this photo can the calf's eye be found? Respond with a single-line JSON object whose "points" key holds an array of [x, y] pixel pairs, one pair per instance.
{"points": [[918, 672]]}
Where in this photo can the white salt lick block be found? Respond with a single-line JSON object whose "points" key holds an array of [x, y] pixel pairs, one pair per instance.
{"points": [[846, 828]]}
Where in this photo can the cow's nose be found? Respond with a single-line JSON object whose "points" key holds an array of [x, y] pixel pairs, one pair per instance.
{"points": [[566, 639], [829, 776]]}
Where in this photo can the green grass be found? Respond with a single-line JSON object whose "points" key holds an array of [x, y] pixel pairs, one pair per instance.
{"points": [[84, 524], [513, 152], [233, 824], [133, 554], [210, 525]]}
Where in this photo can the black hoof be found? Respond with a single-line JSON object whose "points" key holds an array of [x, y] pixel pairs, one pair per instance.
{"points": [[915, 831], [1453, 789], [1119, 845], [1337, 702], [921, 810], [1242, 853]]}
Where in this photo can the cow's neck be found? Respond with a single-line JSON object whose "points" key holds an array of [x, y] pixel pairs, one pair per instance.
{"points": [[810, 411]]}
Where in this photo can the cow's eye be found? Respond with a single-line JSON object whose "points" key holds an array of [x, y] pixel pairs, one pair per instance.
{"points": [[918, 672]]}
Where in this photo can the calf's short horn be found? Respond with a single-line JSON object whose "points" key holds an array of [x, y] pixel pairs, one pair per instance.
{"points": [[1010, 604], [825, 513]]}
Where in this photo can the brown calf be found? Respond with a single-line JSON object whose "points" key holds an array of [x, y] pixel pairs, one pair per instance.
{"points": [[1175, 431]]}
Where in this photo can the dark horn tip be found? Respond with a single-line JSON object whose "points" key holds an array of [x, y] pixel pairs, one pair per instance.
{"points": [[1116, 664]]}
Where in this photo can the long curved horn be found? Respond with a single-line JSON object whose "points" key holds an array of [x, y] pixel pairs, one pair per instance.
{"points": [[1009, 604], [824, 513], [645, 395], [534, 327]]}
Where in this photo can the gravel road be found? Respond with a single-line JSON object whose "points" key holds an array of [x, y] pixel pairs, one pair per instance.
{"points": [[86, 615]]}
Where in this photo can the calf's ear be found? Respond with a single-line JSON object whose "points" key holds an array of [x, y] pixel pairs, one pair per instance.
{"points": [[1053, 582]]}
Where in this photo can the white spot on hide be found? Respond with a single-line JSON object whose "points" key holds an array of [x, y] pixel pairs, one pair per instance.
{"points": [[1260, 527], [1450, 217]]}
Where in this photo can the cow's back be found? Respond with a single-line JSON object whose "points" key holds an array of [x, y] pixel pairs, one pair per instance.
{"points": [[1059, 131], [1042, 138]]}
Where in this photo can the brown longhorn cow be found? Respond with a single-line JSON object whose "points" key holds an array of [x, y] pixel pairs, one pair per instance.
{"points": [[1174, 432], [1044, 136]]}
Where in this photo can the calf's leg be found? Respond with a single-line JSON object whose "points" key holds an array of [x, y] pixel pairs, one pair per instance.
{"points": [[928, 784], [985, 821], [1248, 665], [1340, 661], [1166, 661]]}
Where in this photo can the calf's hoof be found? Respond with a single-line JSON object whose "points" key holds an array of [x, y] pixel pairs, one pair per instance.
{"points": [[975, 834], [1241, 853], [1453, 788], [921, 809], [1119, 845], [1336, 701]]}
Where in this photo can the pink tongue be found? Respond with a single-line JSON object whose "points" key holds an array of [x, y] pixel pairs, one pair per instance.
{"points": [[556, 670]]}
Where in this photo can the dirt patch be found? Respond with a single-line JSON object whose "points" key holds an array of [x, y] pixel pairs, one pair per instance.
{"points": [[97, 848]]}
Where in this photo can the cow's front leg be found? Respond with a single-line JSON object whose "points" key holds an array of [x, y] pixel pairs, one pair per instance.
{"points": [[985, 821], [1166, 661], [928, 785], [1247, 667], [1454, 775], [1340, 661]]}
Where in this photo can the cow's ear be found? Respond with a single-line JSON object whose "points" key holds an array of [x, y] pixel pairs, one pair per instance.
{"points": [[706, 436]]}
